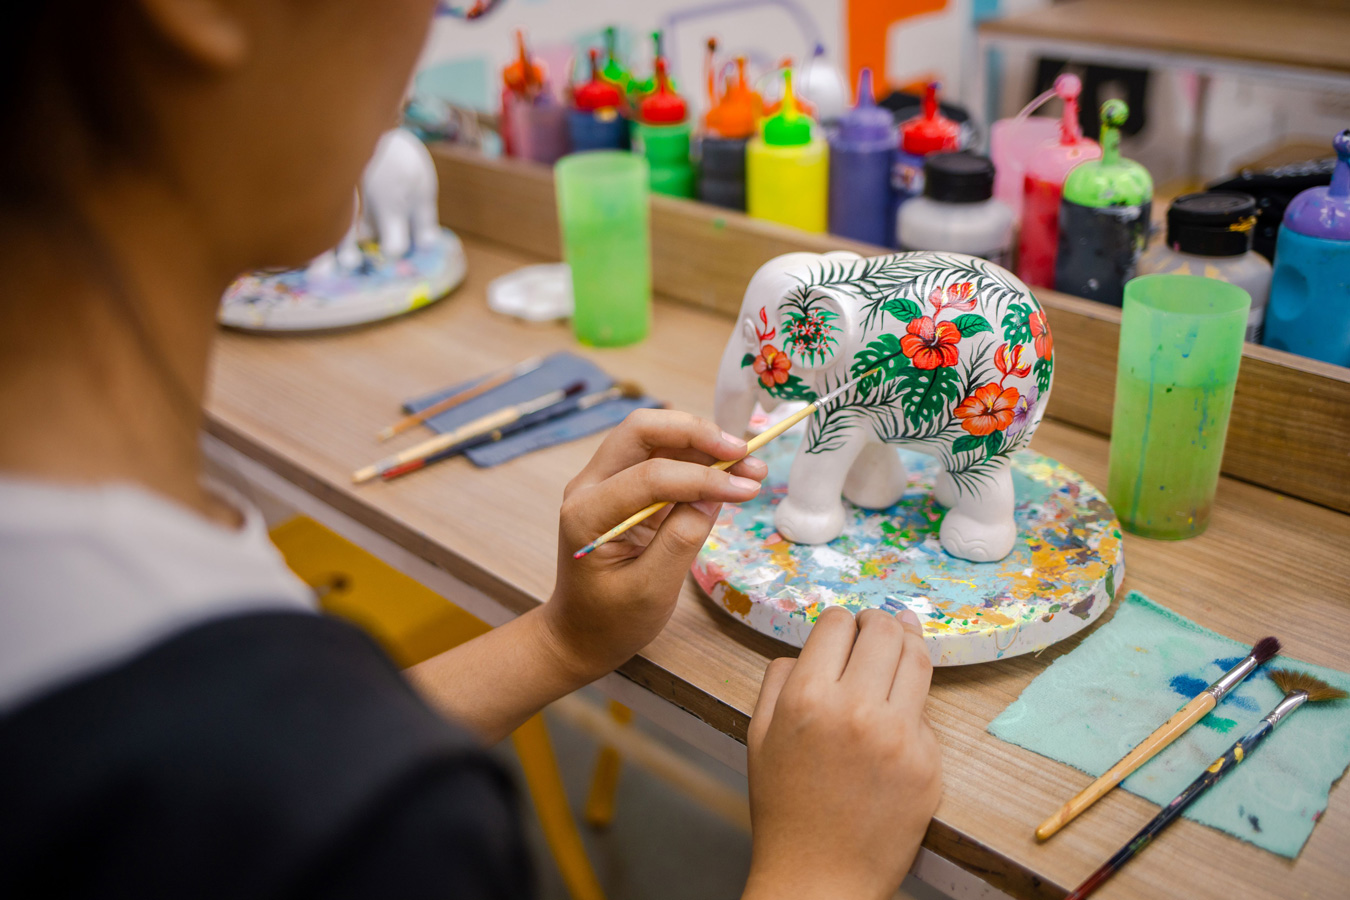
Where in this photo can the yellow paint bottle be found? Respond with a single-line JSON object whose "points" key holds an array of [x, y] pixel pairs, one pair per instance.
{"points": [[787, 168]]}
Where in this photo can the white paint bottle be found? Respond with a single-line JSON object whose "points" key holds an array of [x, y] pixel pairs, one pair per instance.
{"points": [[957, 212]]}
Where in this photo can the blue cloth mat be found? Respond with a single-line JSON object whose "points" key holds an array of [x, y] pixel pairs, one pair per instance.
{"points": [[1093, 705], [557, 371]]}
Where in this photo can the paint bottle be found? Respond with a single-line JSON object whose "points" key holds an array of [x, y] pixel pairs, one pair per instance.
{"points": [[861, 148], [1210, 235], [1103, 218], [787, 168], [823, 86], [1310, 297], [593, 121], [957, 211], [927, 133], [535, 122], [614, 71], [522, 80], [1043, 185], [727, 129], [662, 135]]}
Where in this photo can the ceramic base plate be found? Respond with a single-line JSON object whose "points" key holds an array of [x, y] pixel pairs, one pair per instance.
{"points": [[297, 300], [1061, 575]]}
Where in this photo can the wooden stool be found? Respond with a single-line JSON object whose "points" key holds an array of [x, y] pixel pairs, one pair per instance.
{"points": [[413, 623]]}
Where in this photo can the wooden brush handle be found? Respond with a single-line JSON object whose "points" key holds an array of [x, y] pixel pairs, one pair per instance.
{"points": [[1168, 732]]}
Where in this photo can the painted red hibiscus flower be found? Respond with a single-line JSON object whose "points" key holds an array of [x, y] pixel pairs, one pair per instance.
{"points": [[1043, 340], [929, 344], [989, 409], [1011, 364], [772, 366], [960, 297]]}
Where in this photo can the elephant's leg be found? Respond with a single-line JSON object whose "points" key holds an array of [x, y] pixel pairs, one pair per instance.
{"points": [[426, 224], [877, 479], [392, 228], [812, 512], [945, 491], [979, 526]]}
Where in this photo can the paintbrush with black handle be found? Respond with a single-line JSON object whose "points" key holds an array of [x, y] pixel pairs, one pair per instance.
{"points": [[1299, 688]]}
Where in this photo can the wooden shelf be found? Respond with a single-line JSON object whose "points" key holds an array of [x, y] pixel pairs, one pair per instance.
{"points": [[1297, 35]]}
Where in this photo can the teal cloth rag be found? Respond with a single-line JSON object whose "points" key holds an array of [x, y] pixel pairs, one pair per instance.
{"points": [[1093, 705]]}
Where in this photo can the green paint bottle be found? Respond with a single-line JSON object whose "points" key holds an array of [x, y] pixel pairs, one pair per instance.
{"points": [[1104, 218], [662, 135]]}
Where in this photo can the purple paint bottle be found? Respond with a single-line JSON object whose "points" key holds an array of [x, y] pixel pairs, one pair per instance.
{"points": [[861, 150]]}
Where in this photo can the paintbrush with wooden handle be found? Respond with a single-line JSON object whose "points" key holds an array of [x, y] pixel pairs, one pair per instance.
{"points": [[1168, 732], [1299, 688], [482, 425], [752, 445], [625, 389]]}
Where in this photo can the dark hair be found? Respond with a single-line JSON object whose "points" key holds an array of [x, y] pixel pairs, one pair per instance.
{"points": [[66, 94]]}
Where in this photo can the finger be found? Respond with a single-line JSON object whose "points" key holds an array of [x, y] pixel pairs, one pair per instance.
{"points": [[914, 674], [775, 676], [876, 653], [749, 467], [598, 508], [676, 543], [827, 647], [648, 430]]}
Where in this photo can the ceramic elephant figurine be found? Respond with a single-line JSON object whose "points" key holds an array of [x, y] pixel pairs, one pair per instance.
{"points": [[396, 205], [965, 359]]}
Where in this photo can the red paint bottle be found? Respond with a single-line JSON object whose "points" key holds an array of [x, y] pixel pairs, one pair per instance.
{"points": [[1043, 185]]}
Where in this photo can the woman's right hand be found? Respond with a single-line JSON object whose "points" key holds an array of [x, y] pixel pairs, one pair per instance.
{"points": [[845, 772]]}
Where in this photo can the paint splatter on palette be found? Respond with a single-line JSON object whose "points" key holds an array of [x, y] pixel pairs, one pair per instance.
{"points": [[306, 300], [1061, 575]]}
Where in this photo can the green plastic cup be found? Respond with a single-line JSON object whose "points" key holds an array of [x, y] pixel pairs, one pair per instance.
{"points": [[606, 238], [1180, 346]]}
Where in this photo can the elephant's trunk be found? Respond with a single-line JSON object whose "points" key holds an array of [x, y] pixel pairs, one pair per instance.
{"points": [[735, 399]]}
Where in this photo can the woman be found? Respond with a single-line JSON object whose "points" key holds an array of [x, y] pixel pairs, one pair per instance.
{"points": [[175, 719]]}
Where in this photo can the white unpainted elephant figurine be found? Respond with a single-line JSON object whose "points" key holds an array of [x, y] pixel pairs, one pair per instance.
{"points": [[396, 205], [966, 364]]}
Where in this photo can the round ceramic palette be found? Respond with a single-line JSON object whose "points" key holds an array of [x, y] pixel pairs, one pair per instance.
{"points": [[301, 300], [1060, 576]]}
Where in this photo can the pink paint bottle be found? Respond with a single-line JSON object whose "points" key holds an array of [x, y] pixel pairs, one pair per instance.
{"points": [[1043, 184]]}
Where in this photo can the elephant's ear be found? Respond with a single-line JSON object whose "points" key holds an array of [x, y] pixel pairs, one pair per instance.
{"points": [[814, 324]]}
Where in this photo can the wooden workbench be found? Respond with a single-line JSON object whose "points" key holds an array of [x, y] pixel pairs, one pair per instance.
{"points": [[306, 409]]}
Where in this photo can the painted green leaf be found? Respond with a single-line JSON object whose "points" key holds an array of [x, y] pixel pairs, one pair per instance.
{"points": [[747, 360], [792, 389], [1042, 369], [968, 442], [884, 352], [972, 324], [902, 309], [992, 444], [929, 392], [1017, 324]]}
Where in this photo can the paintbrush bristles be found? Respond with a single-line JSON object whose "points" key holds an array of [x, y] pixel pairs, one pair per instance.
{"points": [[629, 390], [1265, 649], [1317, 690]]}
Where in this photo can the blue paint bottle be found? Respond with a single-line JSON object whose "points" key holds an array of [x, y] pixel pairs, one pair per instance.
{"points": [[861, 149], [594, 122], [1309, 310]]}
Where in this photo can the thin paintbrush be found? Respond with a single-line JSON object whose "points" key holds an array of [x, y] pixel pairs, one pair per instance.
{"points": [[1299, 688], [1168, 732], [482, 425], [623, 389], [497, 379], [752, 445]]}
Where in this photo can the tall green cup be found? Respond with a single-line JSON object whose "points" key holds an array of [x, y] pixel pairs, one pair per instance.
{"points": [[606, 237], [1180, 346]]}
